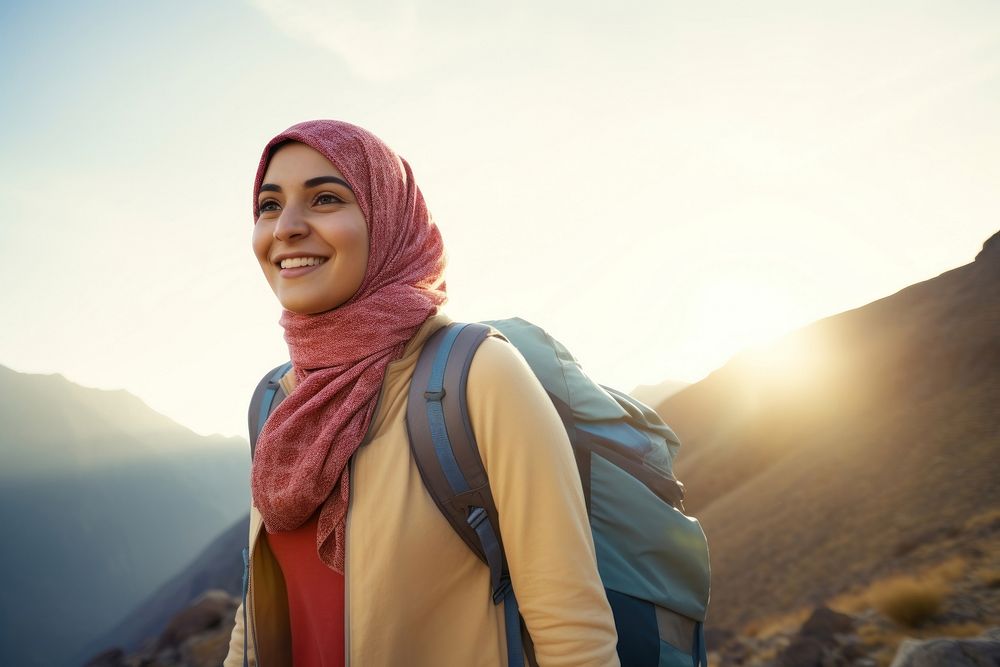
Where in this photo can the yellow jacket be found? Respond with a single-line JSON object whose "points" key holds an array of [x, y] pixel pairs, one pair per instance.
{"points": [[415, 594]]}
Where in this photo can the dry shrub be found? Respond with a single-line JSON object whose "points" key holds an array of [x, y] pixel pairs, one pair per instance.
{"points": [[988, 519], [948, 571], [850, 602], [771, 625], [874, 636], [930, 582], [907, 600]]}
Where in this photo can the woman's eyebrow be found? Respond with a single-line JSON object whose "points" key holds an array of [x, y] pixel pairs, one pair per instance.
{"points": [[311, 183]]}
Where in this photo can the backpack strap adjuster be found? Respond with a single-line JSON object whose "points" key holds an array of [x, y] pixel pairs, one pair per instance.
{"points": [[503, 588], [476, 517]]}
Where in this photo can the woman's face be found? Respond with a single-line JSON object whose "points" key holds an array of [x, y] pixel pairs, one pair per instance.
{"points": [[308, 212]]}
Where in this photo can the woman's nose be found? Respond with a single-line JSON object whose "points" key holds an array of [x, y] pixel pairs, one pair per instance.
{"points": [[290, 224]]}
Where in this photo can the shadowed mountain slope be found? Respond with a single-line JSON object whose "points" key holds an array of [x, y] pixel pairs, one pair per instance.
{"points": [[102, 500], [218, 567]]}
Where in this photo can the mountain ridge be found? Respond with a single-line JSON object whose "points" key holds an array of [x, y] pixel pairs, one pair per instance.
{"points": [[103, 500], [906, 385]]}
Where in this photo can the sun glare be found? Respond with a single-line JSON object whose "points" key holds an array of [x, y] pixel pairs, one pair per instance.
{"points": [[750, 320], [787, 359], [739, 313]]}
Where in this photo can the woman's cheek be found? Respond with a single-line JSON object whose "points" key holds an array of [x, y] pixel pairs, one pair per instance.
{"points": [[260, 244]]}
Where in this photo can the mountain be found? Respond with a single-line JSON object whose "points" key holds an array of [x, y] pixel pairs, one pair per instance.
{"points": [[52, 426], [102, 500], [823, 462], [654, 394]]}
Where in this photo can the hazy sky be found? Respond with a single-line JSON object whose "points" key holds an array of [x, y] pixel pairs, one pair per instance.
{"points": [[658, 184]]}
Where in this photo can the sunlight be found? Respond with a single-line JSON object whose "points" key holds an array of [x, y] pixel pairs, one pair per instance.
{"points": [[755, 323], [740, 312], [786, 361]]}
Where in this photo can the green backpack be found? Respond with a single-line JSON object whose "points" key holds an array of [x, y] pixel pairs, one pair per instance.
{"points": [[652, 558]]}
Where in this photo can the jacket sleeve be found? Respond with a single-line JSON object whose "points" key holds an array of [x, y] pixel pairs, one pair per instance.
{"points": [[542, 512]]}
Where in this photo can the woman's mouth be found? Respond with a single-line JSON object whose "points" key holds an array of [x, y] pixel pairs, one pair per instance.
{"points": [[295, 271]]}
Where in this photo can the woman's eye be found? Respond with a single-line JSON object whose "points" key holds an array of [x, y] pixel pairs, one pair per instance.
{"points": [[264, 205], [332, 199]]}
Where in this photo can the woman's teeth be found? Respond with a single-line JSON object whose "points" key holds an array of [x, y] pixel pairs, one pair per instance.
{"points": [[301, 261]]}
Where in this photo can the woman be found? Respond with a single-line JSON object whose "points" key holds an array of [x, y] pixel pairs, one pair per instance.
{"points": [[351, 561]]}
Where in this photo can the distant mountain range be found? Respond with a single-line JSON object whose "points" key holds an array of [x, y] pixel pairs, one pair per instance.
{"points": [[654, 394], [823, 462], [102, 500]]}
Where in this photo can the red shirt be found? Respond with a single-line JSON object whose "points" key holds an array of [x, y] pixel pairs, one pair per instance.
{"points": [[315, 597]]}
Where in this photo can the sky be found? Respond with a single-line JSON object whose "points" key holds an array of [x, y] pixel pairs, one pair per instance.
{"points": [[657, 184]]}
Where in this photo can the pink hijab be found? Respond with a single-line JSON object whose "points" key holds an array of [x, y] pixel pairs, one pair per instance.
{"points": [[340, 356]]}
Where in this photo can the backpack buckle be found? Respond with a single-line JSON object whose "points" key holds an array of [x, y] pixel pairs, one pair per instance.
{"points": [[476, 517], [503, 588], [434, 395]]}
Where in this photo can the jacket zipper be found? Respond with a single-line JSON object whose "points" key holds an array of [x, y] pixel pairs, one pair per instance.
{"points": [[347, 558], [246, 588], [253, 609]]}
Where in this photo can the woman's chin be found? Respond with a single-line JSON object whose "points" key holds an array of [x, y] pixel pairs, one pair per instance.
{"points": [[297, 304], [306, 306], [304, 309]]}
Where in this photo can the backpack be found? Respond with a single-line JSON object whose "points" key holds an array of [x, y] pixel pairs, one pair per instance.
{"points": [[652, 558]]}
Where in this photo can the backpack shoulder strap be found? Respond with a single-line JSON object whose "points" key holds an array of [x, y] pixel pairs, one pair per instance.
{"points": [[265, 399], [440, 435], [447, 456]]}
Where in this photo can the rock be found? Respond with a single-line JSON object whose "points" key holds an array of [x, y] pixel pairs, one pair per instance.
{"points": [[824, 623], [197, 636], [817, 645], [212, 610], [851, 651], [207, 649], [802, 652], [734, 652], [717, 637], [113, 657], [982, 651]]}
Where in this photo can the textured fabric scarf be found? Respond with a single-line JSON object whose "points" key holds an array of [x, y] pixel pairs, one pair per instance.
{"points": [[340, 356]]}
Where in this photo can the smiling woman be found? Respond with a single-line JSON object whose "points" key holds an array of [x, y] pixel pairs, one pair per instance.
{"points": [[343, 533], [310, 238]]}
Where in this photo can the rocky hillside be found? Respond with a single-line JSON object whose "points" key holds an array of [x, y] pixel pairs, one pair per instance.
{"points": [[219, 567], [944, 587], [196, 636], [825, 462]]}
